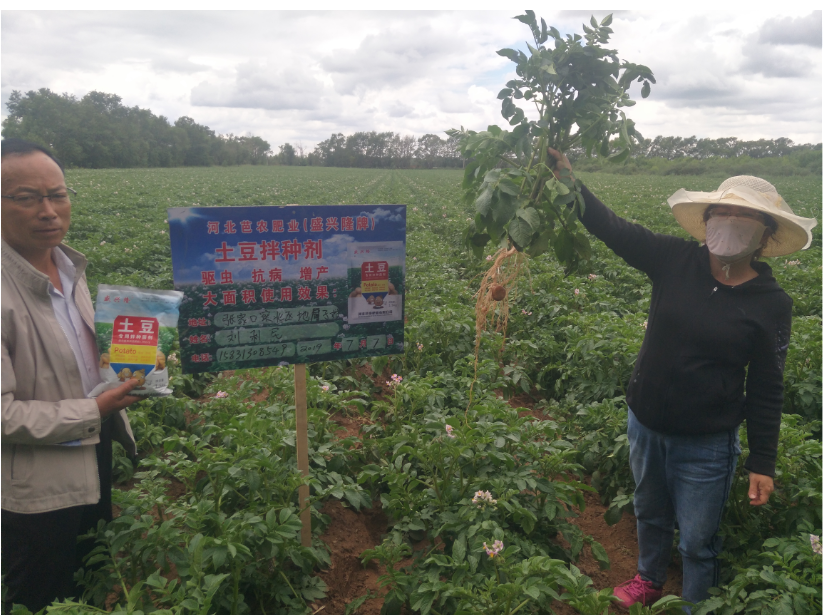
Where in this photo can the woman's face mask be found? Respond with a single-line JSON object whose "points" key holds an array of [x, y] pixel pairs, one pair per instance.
{"points": [[731, 238]]}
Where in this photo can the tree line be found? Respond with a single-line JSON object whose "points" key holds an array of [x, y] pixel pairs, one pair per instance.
{"points": [[98, 131], [727, 156], [672, 148], [377, 150]]}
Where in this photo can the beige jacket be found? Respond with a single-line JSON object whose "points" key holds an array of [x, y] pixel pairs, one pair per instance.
{"points": [[43, 403]]}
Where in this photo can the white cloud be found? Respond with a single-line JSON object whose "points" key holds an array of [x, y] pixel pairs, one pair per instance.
{"points": [[302, 75], [792, 31], [257, 85]]}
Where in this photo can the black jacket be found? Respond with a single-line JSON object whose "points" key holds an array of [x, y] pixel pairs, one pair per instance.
{"points": [[713, 355]]}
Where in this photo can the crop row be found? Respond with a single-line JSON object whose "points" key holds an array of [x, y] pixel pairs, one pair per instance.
{"points": [[208, 515]]}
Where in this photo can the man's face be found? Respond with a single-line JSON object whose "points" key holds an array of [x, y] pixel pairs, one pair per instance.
{"points": [[34, 228]]}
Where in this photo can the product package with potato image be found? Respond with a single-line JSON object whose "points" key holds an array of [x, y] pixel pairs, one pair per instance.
{"points": [[135, 330], [372, 267]]}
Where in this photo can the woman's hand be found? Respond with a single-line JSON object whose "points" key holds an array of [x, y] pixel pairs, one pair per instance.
{"points": [[761, 487], [561, 163]]}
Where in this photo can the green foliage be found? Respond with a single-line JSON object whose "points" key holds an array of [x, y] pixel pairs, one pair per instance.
{"points": [[98, 131], [784, 578], [578, 89], [803, 163], [796, 502], [216, 468], [385, 150]]}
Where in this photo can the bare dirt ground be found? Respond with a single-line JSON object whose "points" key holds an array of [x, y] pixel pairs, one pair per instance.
{"points": [[350, 533]]}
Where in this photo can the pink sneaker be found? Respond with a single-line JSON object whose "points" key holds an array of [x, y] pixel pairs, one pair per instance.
{"points": [[636, 590]]}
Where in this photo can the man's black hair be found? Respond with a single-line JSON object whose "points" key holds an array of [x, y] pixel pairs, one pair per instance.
{"points": [[21, 147]]}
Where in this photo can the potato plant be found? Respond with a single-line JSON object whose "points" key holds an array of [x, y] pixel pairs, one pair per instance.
{"points": [[578, 89], [207, 514]]}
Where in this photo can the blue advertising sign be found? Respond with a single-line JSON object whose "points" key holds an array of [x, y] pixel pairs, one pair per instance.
{"points": [[295, 284]]}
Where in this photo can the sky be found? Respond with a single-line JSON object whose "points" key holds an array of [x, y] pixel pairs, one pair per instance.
{"points": [[300, 76]]}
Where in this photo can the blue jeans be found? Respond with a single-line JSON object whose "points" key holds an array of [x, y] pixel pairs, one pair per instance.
{"points": [[687, 478]]}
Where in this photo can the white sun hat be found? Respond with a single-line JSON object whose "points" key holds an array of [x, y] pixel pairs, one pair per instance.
{"points": [[794, 232]]}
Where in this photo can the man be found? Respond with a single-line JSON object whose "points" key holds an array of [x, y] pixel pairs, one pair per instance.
{"points": [[56, 442]]}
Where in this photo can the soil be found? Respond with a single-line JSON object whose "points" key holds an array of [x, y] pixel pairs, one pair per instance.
{"points": [[350, 533]]}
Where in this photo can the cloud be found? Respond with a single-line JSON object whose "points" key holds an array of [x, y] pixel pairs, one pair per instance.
{"points": [[792, 31], [393, 57], [784, 47], [262, 86], [399, 109], [449, 101], [171, 64], [390, 216], [291, 76], [774, 62]]}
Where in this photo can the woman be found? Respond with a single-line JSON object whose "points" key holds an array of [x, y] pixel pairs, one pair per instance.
{"points": [[712, 357]]}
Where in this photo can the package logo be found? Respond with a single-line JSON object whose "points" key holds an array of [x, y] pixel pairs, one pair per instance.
{"points": [[375, 282]]}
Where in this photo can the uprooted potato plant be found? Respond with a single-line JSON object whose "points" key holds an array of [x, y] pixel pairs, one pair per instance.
{"points": [[578, 89]]}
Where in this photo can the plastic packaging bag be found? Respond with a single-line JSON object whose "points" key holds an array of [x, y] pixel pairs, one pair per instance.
{"points": [[135, 329]]}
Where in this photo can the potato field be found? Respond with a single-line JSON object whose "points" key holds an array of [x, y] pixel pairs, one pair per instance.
{"points": [[207, 517]]}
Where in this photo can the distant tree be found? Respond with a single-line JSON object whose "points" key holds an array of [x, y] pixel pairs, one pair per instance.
{"points": [[99, 131], [332, 150], [287, 154], [402, 149]]}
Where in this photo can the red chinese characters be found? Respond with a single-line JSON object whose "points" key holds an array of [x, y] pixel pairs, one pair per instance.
{"points": [[248, 296], [224, 252], [312, 249], [291, 248], [135, 330], [207, 278], [247, 250], [269, 249]]}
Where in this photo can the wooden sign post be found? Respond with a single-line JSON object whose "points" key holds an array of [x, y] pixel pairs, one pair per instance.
{"points": [[334, 291], [302, 445]]}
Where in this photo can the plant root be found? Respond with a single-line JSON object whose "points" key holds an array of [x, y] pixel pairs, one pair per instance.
{"points": [[492, 313]]}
